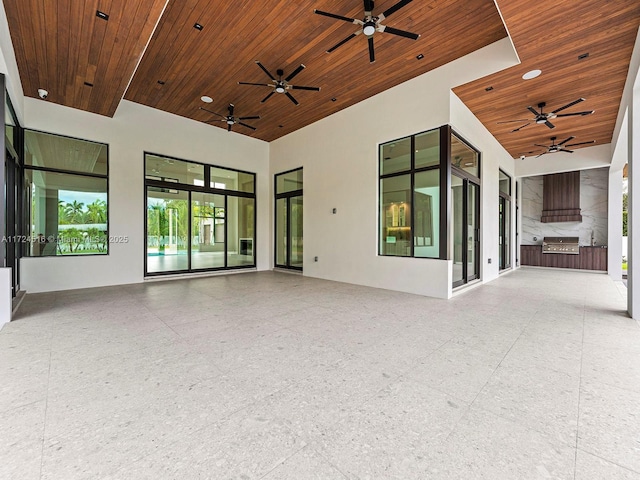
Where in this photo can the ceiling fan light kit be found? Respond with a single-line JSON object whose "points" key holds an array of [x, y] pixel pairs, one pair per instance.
{"points": [[371, 24]]}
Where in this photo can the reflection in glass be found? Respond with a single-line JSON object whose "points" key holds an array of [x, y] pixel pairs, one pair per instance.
{"points": [[395, 156], [395, 216], [281, 231], [428, 149], [167, 230], [174, 171], [457, 228], [240, 234], [295, 205], [426, 198], [505, 183], [207, 230], [464, 157], [224, 179], [63, 153], [289, 182], [68, 214]]}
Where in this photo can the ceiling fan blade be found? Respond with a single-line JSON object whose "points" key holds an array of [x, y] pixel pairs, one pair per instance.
{"points": [[533, 110], [291, 97], [394, 8], [401, 33], [581, 143], [565, 150], [254, 117], [568, 105], [512, 121], [216, 120], [520, 128], [295, 72], [565, 141], [549, 124], [245, 125], [315, 89], [577, 113], [231, 107], [206, 110], [372, 53], [265, 70], [339, 44], [267, 97], [543, 146], [368, 6], [333, 15], [228, 127], [256, 84]]}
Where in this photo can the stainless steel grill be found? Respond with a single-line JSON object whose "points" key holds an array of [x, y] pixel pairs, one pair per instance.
{"points": [[568, 245]]}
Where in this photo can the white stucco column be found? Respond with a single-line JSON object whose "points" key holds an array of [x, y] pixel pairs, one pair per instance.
{"points": [[5, 295], [633, 225], [614, 224]]}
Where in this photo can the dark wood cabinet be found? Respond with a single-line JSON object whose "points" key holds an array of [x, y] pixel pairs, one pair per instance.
{"points": [[590, 258]]}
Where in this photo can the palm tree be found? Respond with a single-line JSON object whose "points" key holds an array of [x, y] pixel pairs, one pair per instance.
{"points": [[63, 218], [75, 211], [97, 212]]}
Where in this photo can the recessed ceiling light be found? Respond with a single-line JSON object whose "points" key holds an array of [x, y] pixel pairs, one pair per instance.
{"points": [[102, 15], [160, 82], [197, 26], [280, 126], [488, 89], [420, 57], [468, 164], [206, 99], [88, 84], [333, 99], [583, 56], [531, 74]]}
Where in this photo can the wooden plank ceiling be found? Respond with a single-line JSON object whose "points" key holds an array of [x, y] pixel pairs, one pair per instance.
{"points": [[83, 61], [551, 36], [62, 46], [282, 35]]}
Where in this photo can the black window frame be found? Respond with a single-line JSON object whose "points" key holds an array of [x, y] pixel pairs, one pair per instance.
{"points": [[286, 195], [206, 188], [505, 197], [27, 201]]}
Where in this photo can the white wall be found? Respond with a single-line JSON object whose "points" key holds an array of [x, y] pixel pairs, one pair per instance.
{"points": [[582, 158], [133, 130], [340, 160], [594, 186]]}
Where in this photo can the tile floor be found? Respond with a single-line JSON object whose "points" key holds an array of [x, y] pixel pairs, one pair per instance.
{"points": [[276, 376]]}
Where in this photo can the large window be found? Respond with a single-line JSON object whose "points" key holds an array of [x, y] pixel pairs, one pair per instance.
{"points": [[410, 196], [67, 190], [289, 219], [504, 234], [199, 217]]}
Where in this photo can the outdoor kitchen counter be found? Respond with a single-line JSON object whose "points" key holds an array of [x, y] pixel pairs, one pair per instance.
{"points": [[590, 258]]}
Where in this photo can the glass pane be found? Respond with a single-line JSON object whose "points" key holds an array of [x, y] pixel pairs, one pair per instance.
{"points": [[457, 222], [63, 153], [281, 231], [472, 232], [395, 216], [240, 231], [426, 201], [174, 171], [295, 203], [289, 182], [501, 233], [225, 179], [464, 157], [207, 230], [428, 149], [395, 156], [507, 233], [167, 230], [505, 183], [68, 213]]}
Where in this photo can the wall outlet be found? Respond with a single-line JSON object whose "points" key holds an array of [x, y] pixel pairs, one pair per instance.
{"points": [[315, 259], [489, 261]]}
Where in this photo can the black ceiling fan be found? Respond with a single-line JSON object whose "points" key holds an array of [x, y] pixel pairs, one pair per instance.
{"points": [[559, 147], [544, 117], [371, 24], [230, 120], [280, 85]]}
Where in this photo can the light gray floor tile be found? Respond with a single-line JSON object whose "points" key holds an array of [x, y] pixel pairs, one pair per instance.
{"points": [[590, 467]]}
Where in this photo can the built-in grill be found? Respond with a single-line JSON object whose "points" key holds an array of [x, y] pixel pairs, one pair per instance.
{"points": [[568, 245]]}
